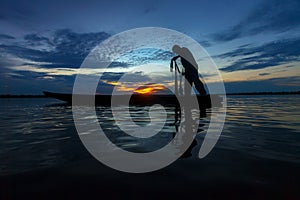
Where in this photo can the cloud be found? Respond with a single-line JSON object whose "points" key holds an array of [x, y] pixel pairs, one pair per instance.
{"points": [[264, 74], [4, 36], [59, 55], [67, 49], [65, 76], [71, 43], [118, 64], [145, 56], [64, 48], [68, 71], [132, 81], [36, 40], [267, 55], [272, 16], [136, 81], [205, 43]]}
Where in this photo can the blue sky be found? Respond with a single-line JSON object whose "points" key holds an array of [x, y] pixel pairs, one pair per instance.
{"points": [[255, 44]]}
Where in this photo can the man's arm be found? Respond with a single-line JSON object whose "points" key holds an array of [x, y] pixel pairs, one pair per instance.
{"points": [[171, 63], [175, 58]]}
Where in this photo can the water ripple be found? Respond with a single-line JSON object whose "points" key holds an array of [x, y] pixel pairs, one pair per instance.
{"points": [[38, 133]]}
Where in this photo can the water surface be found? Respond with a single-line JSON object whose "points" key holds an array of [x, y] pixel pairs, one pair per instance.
{"points": [[259, 145]]}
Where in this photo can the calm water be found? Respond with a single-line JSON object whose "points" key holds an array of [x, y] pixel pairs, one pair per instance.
{"points": [[40, 133], [256, 157]]}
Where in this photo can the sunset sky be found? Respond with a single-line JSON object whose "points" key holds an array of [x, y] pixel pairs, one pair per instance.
{"points": [[254, 44]]}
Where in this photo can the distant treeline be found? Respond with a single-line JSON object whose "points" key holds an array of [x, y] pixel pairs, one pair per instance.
{"points": [[264, 93], [241, 93], [22, 96]]}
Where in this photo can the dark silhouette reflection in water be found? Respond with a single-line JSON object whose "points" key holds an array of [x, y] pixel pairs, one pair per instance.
{"points": [[188, 116], [140, 115]]}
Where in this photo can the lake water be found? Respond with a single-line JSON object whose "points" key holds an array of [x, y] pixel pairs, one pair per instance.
{"points": [[259, 144]]}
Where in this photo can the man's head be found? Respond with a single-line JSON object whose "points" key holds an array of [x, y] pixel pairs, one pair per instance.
{"points": [[176, 49]]}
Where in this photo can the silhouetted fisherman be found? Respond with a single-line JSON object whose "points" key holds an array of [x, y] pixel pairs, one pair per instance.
{"points": [[190, 69]]}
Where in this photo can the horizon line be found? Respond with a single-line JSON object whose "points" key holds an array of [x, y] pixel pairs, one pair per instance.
{"points": [[230, 93]]}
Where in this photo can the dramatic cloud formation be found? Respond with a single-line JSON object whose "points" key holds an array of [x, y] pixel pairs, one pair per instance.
{"points": [[270, 54], [270, 16], [255, 42]]}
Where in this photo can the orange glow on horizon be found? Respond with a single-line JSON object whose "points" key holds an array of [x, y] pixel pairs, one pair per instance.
{"points": [[149, 89], [143, 89]]}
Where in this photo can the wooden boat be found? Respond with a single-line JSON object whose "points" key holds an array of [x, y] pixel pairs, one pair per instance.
{"points": [[140, 99]]}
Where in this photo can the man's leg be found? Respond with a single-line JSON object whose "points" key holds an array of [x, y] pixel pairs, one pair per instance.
{"points": [[187, 86], [199, 86]]}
